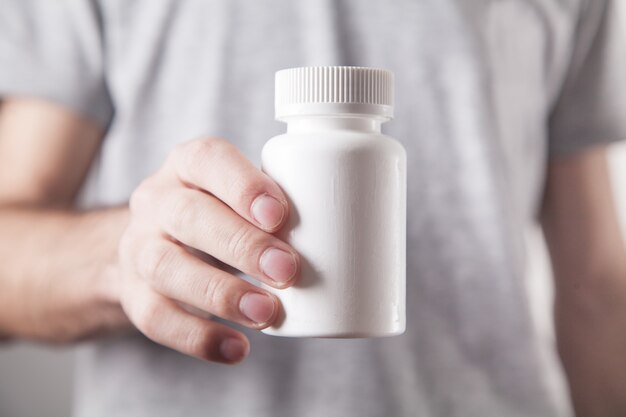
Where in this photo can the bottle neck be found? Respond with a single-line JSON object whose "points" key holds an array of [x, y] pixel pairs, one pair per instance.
{"points": [[307, 124]]}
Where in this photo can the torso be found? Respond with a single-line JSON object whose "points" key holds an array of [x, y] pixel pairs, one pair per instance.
{"points": [[475, 81]]}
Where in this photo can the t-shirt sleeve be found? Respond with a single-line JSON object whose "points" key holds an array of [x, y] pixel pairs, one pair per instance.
{"points": [[591, 109], [53, 50]]}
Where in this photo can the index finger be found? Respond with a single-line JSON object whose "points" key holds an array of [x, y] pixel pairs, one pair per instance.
{"points": [[216, 166]]}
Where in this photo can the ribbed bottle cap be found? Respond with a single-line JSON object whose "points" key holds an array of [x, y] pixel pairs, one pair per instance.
{"points": [[334, 90]]}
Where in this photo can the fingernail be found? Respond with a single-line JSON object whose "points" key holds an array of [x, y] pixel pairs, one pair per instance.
{"points": [[233, 350], [267, 211], [278, 265], [257, 307]]}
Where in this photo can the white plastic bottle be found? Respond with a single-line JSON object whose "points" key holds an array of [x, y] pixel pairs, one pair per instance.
{"points": [[346, 185]]}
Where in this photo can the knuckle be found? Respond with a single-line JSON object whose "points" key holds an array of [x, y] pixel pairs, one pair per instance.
{"points": [[156, 260], [145, 196], [181, 212], [245, 246], [199, 341], [148, 316], [247, 188], [216, 293], [211, 146], [131, 244], [140, 198], [241, 242], [175, 155], [195, 154]]}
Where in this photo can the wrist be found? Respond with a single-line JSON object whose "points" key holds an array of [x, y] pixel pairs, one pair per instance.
{"points": [[83, 297], [106, 283]]}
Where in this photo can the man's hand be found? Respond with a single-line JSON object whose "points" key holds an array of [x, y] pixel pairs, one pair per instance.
{"points": [[206, 199], [69, 277]]}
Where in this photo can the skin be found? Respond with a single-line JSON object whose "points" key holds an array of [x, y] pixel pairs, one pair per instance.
{"points": [[589, 262], [83, 273], [78, 274], [56, 278]]}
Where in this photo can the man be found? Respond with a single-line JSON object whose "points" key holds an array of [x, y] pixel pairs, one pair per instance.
{"points": [[127, 131]]}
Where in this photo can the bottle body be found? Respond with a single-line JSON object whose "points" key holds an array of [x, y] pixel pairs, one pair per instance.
{"points": [[346, 185]]}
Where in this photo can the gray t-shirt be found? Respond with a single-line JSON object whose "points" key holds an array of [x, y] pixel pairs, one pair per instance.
{"points": [[487, 91]]}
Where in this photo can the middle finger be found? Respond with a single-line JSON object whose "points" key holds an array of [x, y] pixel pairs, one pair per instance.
{"points": [[203, 222]]}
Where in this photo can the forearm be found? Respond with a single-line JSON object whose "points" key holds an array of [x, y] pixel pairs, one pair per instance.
{"points": [[589, 262], [591, 336], [57, 273], [590, 312]]}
